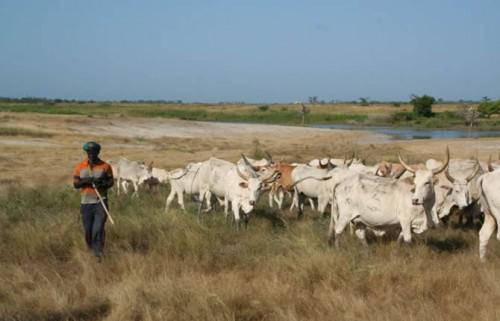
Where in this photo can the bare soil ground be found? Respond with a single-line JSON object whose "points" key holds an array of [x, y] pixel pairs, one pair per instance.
{"points": [[28, 159]]}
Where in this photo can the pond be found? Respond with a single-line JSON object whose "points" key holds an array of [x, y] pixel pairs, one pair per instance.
{"points": [[415, 133]]}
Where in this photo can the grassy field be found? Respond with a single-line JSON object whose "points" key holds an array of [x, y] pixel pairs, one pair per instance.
{"points": [[446, 115], [171, 267]]}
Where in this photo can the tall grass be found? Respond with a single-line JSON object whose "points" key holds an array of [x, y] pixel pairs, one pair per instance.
{"points": [[171, 267]]}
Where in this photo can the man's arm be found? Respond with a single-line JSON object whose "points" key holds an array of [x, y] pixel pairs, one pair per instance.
{"points": [[79, 182], [82, 182], [106, 181]]}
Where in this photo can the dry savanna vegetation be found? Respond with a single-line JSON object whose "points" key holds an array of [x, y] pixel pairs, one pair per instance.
{"points": [[174, 266]]}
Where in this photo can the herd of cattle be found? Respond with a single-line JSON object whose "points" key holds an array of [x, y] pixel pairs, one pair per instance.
{"points": [[365, 198]]}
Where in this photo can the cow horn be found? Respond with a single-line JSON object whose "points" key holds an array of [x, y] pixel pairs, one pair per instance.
{"points": [[400, 174], [445, 165], [406, 166], [474, 173], [490, 167], [253, 169], [243, 176], [272, 178], [348, 163], [448, 176], [268, 157]]}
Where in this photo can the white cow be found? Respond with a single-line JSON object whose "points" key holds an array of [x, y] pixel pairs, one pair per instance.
{"points": [[378, 203], [128, 171], [457, 187], [307, 188], [489, 185], [237, 184], [185, 181]]}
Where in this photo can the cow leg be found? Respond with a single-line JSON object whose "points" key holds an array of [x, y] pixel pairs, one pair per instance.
{"points": [[236, 212], [485, 233], [339, 228], [295, 200], [136, 189], [226, 207], [246, 218], [180, 200], [271, 198], [279, 198], [208, 200], [302, 200], [361, 234], [331, 228], [352, 230], [311, 203], [405, 234], [124, 185], [169, 200], [202, 195]]}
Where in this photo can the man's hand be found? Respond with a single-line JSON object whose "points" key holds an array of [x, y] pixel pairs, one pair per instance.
{"points": [[103, 182], [87, 181]]}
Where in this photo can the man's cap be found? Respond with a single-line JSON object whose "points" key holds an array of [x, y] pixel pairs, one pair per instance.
{"points": [[91, 146]]}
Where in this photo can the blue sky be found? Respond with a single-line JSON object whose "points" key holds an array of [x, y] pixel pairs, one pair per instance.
{"points": [[253, 51]]}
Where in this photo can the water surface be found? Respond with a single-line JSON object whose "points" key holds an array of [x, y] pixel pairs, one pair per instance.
{"points": [[416, 133]]}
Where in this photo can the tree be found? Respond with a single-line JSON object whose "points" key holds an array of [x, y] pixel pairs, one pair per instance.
{"points": [[422, 105], [470, 115], [313, 99], [363, 101], [304, 111], [488, 108]]}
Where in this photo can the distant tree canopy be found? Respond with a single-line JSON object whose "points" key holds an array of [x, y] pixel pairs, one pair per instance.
{"points": [[422, 105], [487, 108]]}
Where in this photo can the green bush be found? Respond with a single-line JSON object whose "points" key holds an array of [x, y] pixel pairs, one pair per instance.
{"points": [[488, 108], [263, 108], [422, 105]]}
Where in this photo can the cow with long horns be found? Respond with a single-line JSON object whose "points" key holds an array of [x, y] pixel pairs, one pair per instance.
{"points": [[377, 203], [238, 184]]}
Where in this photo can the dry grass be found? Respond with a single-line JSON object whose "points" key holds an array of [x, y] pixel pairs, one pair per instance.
{"points": [[170, 267]]}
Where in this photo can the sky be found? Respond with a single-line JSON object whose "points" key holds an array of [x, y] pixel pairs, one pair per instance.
{"points": [[250, 51]]}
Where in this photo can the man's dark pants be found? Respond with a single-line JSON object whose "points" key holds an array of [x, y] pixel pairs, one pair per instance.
{"points": [[94, 218]]}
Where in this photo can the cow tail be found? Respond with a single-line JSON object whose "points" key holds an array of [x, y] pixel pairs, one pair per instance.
{"points": [[194, 177], [483, 199]]}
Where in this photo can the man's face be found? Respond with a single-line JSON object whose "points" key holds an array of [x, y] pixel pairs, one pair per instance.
{"points": [[92, 155]]}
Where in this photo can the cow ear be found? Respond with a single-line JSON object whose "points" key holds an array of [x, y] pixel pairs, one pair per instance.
{"points": [[243, 184]]}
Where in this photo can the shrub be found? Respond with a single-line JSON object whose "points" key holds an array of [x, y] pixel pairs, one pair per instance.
{"points": [[263, 108], [402, 116], [422, 105], [488, 108]]}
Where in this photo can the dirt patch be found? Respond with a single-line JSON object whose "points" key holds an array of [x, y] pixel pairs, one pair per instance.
{"points": [[173, 143]]}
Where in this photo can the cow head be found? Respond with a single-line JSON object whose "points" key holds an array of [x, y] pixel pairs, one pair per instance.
{"points": [[251, 184], [384, 169], [254, 182], [423, 190], [460, 189], [145, 173]]}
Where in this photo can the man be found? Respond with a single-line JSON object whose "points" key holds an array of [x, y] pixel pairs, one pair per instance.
{"points": [[90, 174]]}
